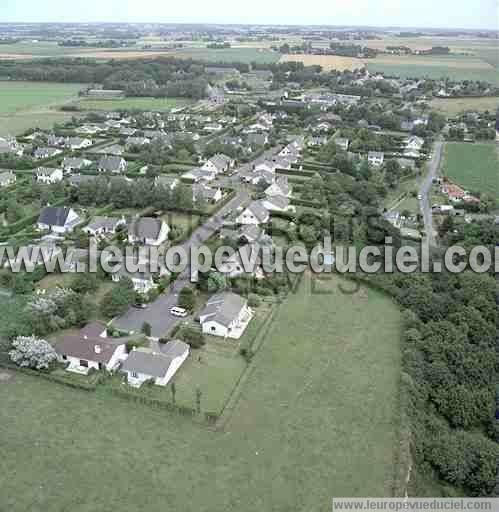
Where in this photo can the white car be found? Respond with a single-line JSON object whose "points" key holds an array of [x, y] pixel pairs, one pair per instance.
{"points": [[180, 312], [419, 197]]}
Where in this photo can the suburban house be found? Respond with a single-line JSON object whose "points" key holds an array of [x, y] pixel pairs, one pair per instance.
{"points": [[48, 175], [257, 139], [167, 181], [281, 187], [199, 174], [413, 143], [10, 145], [249, 255], [226, 315], [342, 143], [115, 164], [160, 364], [375, 158], [57, 219], [90, 350], [42, 153], [255, 213], [137, 141], [205, 193], [148, 231], [77, 143], [456, 194], [55, 140], [142, 281], [317, 141], [406, 163], [249, 234], [102, 226], [218, 164], [7, 178], [72, 163], [78, 179], [277, 204], [114, 150]]}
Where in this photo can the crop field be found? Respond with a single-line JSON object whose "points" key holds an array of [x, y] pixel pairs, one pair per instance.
{"points": [[473, 166], [157, 104], [244, 55], [454, 106], [454, 67], [322, 394], [25, 105], [328, 62]]}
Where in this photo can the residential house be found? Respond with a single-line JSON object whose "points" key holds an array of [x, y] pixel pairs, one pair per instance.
{"points": [[114, 164], [78, 179], [219, 163], [77, 143], [257, 139], [103, 226], [314, 142], [7, 178], [226, 315], [204, 193], [281, 187], [159, 365], [43, 153], [72, 163], [55, 140], [10, 145], [406, 163], [114, 150], [137, 142], [277, 204], [166, 181], [58, 219], [375, 158], [48, 175], [255, 213], [142, 280], [198, 174], [148, 231], [85, 351], [342, 143]]}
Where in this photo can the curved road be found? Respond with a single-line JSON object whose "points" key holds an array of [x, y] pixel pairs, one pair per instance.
{"points": [[425, 191]]}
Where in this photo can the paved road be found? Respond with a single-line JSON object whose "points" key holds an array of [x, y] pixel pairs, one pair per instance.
{"points": [[425, 192], [157, 313]]}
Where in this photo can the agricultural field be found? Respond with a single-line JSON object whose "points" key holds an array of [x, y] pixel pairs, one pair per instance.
{"points": [[156, 104], [473, 166], [25, 105], [228, 55], [328, 62], [454, 67], [321, 395], [454, 106]]}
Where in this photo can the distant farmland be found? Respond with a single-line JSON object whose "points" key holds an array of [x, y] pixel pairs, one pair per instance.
{"points": [[454, 67], [328, 62], [157, 104], [473, 166], [227, 55], [454, 106]]}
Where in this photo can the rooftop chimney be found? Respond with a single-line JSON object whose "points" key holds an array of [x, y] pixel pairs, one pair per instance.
{"points": [[98, 349]]}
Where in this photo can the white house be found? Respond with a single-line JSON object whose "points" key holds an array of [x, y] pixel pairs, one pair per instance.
{"points": [[218, 164], [77, 143], [72, 163], [7, 178], [255, 213], [277, 204], [89, 350], [48, 175], [57, 219], [201, 192], [159, 365], [142, 281], [148, 231], [342, 143], [115, 164], [102, 226], [226, 315], [281, 187], [375, 158], [43, 153]]}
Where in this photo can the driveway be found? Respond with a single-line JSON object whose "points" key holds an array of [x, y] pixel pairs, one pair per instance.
{"points": [[425, 191]]}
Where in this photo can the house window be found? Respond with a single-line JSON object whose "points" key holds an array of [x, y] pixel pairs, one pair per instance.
{"points": [[135, 375], [83, 363], [213, 329]]}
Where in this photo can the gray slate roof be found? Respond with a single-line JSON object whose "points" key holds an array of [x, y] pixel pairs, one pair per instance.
{"points": [[145, 227], [54, 216], [223, 308]]}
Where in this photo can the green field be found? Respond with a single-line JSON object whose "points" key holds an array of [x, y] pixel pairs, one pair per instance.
{"points": [[244, 55], [156, 104], [19, 96], [316, 414], [25, 105], [454, 67], [454, 106], [473, 166]]}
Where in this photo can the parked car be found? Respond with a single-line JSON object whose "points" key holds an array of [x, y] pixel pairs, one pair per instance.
{"points": [[180, 312]]}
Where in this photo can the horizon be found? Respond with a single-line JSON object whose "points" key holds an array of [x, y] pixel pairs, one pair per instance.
{"points": [[389, 14]]}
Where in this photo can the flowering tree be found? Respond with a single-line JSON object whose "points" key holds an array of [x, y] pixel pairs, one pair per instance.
{"points": [[32, 352]]}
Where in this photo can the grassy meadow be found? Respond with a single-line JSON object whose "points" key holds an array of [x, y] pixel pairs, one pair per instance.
{"points": [[321, 394], [454, 106], [157, 104], [473, 166]]}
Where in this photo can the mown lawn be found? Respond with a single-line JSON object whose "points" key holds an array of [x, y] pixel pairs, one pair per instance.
{"points": [[317, 417], [473, 166]]}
